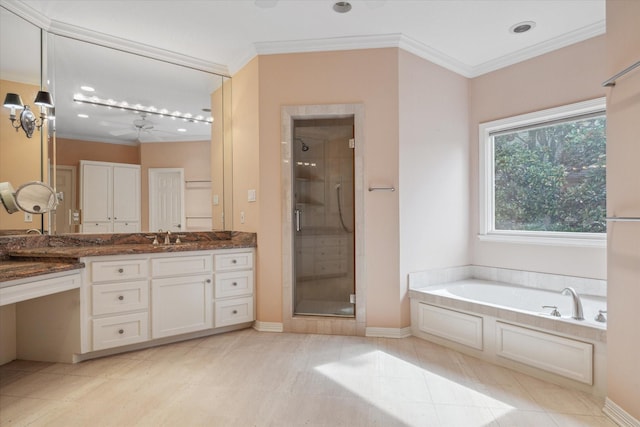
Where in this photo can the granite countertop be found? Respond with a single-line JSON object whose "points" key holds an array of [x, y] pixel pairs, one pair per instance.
{"points": [[75, 252], [14, 270], [24, 257]]}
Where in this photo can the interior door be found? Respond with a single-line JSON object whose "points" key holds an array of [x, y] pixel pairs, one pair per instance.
{"points": [[65, 184], [166, 199]]}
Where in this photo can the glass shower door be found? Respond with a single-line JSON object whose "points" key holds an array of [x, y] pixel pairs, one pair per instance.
{"points": [[324, 245]]}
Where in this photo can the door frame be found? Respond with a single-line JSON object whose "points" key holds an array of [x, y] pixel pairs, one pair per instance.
{"points": [[71, 197], [153, 172], [343, 326]]}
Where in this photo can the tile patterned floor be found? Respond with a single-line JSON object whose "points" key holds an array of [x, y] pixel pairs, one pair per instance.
{"points": [[249, 378]]}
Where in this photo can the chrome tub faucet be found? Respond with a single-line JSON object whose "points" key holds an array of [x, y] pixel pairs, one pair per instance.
{"points": [[577, 304]]}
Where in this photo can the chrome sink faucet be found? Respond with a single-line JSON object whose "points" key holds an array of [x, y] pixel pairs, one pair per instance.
{"points": [[577, 304], [167, 240]]}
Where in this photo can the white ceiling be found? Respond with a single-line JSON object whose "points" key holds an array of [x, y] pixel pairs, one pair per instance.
{"points": [[468, 36]]}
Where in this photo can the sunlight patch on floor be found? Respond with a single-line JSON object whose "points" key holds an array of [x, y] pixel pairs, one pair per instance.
{"points": [[392, 385]]}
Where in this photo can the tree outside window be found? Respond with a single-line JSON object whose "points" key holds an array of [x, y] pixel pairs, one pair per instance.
{"points": [[551, 177]]}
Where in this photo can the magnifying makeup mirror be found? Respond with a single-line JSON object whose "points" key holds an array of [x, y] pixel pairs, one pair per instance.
{"points": [[36, 197]]}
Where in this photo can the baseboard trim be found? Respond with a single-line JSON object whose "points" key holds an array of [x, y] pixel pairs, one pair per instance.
{"points": [[388, 332], [619, 415], [268, 326]]}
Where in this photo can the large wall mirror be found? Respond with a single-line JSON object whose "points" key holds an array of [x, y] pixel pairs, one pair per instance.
{"points": [[113, 108], [120, 108], [22, 159]]}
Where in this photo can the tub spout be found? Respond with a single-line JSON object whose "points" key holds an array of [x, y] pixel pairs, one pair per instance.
{"points": [[577, 304]]}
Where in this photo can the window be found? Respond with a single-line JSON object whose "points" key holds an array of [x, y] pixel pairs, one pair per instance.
{"points": [[543, 176]]}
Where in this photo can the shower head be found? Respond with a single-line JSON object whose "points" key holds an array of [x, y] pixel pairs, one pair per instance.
{"points": [[305, 147]]}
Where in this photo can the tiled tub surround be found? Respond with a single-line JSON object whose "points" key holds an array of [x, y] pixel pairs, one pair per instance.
{"points": [[121, 289], [454, 307]]}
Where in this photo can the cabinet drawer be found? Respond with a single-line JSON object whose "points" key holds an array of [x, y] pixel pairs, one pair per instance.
{"points": [[119, 297], [102, 271], [233, 311], [237, 261], [120, 330], [181, 265], [234, 283]]}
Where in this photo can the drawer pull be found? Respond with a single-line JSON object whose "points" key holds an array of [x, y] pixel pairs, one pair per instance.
{"points": [[234, 284], [121, 331], [234, 312], [121, 270], [208, 280], [234, 261], [121, 297]]}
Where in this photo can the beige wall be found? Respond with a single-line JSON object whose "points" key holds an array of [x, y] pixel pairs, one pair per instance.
{"points": [[193, 156], [19, 156], [565, 76], [246, 148], [369, 77], [434, 170], [71, 151], [623, 199]]}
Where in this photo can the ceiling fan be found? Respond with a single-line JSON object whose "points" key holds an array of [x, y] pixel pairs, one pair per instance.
{"points": [[143, 128]]}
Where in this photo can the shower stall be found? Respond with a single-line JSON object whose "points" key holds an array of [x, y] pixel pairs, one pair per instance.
{"points": [[323, 217]]}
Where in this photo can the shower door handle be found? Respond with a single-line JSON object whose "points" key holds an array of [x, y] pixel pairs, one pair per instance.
{"points": [[298, 214]]}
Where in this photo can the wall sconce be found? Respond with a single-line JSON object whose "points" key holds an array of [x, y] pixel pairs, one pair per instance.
{"points": [[28, 121]]}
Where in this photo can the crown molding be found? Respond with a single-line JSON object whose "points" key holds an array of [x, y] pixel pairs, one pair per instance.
{"points": [[112, 42], [109, 41], [581, 34], [364, 42], [328, 44], [27, 13], [309, 45], [433, 55], [424, 51]]}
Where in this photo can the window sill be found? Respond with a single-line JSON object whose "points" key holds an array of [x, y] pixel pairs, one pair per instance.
{"points": [[587, 240]]}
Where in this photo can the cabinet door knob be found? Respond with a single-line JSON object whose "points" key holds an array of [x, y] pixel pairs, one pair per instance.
{"points": [[208, 280], [121, 297], [121, 331], [234, 312], [234, 261], [121, 270], [234, 284]]}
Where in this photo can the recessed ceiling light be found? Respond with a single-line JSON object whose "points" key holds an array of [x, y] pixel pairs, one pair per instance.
{"points": [[522, 27], [83, 116], [182, 130], [87, 88], [342, 6]]}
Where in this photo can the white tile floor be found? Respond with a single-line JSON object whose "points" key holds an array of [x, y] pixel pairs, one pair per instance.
{"points": [[248, 378]]}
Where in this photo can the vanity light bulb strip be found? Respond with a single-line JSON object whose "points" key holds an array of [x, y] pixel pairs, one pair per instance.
{"points": [[141, 109]]}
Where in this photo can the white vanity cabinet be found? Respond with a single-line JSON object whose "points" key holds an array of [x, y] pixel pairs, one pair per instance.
{"points": [[135, 299], [233, 288], [117, 310], [109, 197], [182, 294]]}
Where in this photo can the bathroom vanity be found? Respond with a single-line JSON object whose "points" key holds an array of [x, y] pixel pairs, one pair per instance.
{"points": [[128, 294]]}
